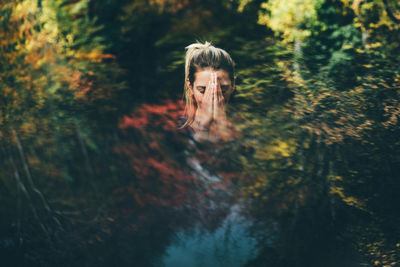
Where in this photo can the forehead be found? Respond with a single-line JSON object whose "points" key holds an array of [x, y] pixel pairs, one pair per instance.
{"points": [[203, 76]]}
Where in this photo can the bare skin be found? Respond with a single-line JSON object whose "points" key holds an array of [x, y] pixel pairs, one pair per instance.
{"points": [[211, 90]]}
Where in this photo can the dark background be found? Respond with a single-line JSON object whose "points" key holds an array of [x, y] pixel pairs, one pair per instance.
{"points": [[92, 167]]}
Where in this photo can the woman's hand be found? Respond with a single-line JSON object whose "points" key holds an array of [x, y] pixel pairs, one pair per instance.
{"points": [[219, 112], [204, 112], [210, 117]]}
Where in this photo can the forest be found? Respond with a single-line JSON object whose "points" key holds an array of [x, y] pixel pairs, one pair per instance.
{"points": [[94, 171]]}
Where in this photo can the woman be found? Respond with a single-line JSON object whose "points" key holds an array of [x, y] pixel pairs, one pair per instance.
{"points": [[219, 237], [209, 82]]}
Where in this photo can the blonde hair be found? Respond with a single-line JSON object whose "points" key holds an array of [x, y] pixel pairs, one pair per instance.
{"points": [[200, 56]]}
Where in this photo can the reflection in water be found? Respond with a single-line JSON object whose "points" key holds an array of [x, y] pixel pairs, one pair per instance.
{"points": [[228, 245], [164, 199], [212, 232], [317, 106]]}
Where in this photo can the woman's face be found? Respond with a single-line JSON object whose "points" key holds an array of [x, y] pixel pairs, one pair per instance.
{"points": [[201, 79]]}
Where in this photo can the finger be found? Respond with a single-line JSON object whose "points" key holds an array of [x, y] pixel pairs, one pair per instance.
{"points": [[215, 85], [219, 98], [212, 86], [217, 88], [210, 99], [209, 89], [216, 100], [206, 96], [208, 92], [214, 91]]}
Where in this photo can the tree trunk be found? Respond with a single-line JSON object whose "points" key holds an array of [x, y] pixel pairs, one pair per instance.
{"points": [[30, 180], [21, 188]]}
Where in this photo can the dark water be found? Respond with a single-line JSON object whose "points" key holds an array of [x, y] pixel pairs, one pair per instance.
{"points": [[228, 245], [148, 194]]}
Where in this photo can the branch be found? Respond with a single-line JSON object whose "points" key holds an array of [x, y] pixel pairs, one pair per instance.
{"points": [[390, 13]]}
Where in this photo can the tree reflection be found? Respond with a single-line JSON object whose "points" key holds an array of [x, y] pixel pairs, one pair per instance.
{"points": [[173, 176], [314, 166]]}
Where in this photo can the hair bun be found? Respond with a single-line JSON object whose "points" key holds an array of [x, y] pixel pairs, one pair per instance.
{"points": [[198, 46]]}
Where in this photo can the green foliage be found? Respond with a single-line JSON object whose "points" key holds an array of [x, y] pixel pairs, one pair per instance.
{"points": [[316, 104], [55, 80]]}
